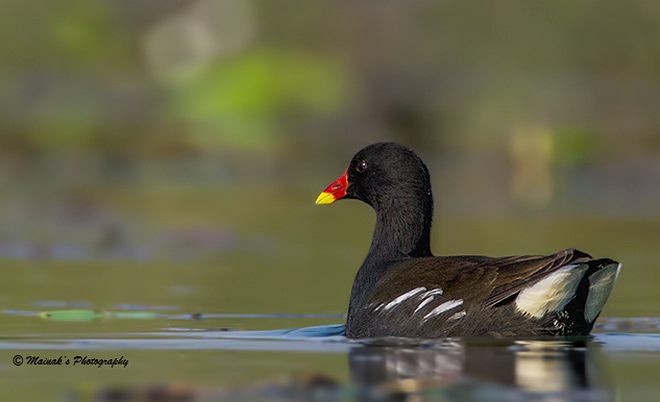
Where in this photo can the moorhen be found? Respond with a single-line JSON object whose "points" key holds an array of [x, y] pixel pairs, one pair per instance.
{"points": [[402, 290]]}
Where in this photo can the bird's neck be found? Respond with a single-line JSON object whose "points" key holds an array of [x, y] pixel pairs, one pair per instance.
{"points": [[402, 231]]}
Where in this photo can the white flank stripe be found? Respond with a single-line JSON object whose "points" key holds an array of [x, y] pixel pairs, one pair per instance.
{"points": [[551, 293], [404, 297], [456, 316], [436, 291], [424, 303], [428, 298], [600, 287], [448, 305]]}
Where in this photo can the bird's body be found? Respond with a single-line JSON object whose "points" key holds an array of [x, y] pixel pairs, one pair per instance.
{"points": [[402, 290], [474, 295]]}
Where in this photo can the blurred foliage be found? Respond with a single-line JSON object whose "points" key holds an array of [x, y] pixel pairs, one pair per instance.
{"points": [[575, 147], [251, 76], [547, 106], [242, 101]]}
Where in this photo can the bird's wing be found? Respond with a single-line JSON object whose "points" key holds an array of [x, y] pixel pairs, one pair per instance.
{"points": [[517, 273], [470, 280]]}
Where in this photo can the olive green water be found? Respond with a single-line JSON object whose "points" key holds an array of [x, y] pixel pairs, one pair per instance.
{"points": [[277, 264]]}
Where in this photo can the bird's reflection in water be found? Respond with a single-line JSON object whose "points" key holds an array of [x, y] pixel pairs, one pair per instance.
{"points": [[539, 370]]}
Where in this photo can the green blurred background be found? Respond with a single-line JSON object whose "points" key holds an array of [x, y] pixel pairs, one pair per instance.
{"points": [[168, 152]]}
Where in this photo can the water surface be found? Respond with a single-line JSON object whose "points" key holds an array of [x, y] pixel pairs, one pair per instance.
{"points": [[168, 359], [248, 305]]}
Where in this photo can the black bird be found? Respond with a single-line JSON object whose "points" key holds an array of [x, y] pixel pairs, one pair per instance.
{"points": [[402, 290]]}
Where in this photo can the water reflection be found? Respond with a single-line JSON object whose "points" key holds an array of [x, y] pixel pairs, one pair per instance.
{"points": [[479, 370]]}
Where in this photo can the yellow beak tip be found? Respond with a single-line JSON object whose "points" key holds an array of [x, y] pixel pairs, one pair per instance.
{"points": [[325, 198]]}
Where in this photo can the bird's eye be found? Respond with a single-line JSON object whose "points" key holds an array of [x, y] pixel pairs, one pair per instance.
{"points": [[361, 166]]}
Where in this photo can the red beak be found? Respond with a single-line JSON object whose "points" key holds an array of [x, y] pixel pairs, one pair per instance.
{"points": [[335, 191]]}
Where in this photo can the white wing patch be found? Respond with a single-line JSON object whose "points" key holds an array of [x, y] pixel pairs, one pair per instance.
{"points": [[448, 305], [551, 293], [600, 287]]}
